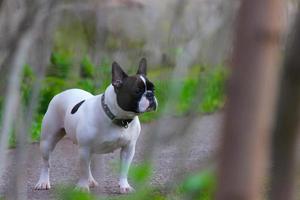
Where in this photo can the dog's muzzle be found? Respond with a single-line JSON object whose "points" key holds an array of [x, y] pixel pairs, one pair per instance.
{"points": [[152, 101]]}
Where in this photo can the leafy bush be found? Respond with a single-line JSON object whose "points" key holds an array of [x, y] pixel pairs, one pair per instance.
{"points": [[26, 89], [213, 96], [51, 87], [181, 95], [188, 93], [35, 131], [87, 69], [87, 85], [104, 77], [200, 186], [60, 65], [27, 84]]}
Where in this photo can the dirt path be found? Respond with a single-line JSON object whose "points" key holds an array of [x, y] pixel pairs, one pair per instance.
{"points": [[187, 151]]}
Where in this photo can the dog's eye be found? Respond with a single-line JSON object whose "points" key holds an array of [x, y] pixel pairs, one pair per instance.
{"points": [[140, 91]]}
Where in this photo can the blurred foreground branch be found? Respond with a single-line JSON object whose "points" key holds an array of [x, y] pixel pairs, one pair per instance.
{"points": [[286, 123], [251, 93], [12, 65]]}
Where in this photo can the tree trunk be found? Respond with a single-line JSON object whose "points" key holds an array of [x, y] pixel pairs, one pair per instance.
{"points": [[251, 92], [286, 123]]}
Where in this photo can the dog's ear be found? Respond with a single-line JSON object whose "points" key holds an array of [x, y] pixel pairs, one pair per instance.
{"points": [[142, 67], [118, 75]]}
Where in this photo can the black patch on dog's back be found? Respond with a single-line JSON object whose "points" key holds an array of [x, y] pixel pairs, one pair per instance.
{"points": [[76, 107]]}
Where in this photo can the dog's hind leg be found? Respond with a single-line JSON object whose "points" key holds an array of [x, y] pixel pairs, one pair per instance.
{"points": [[52, 132]]}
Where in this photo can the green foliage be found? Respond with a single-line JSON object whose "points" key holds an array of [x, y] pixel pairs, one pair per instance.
{"points": [[188, 93], [27, 84], [60, 64], [104, 71], [87, 69], [213, 96], [68, 193], [87, 85], [182, 95], [140, 173], [12, 140], [35, 131], [26, 89], [200, 186], [51, 87]]}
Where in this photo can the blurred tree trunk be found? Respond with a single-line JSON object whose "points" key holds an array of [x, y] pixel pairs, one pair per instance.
{"points": [[251, 95], [12, 42], [286, 123]]}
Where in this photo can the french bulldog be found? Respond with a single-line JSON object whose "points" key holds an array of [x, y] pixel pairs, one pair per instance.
{"points": [[98, 124]]}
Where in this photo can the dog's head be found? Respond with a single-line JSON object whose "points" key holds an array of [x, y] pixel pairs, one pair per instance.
{"points": [[134, 93]]}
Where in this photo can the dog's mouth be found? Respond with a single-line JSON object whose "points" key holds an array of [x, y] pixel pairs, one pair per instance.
{"points": [[147, 105], [152, 106]]}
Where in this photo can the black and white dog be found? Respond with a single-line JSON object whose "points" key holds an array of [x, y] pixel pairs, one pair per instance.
{"points": [[98, 124]]}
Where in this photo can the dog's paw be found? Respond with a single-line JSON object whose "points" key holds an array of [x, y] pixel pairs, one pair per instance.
{"points": [[93, 182], [124, 189], [42, 185], [83, 186]]}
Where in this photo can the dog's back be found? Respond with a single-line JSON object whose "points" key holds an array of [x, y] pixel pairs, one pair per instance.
{"points": [[64, 101], [60, 104]]}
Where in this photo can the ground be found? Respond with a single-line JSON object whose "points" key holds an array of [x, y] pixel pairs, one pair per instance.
{"points": [[179, 147]]}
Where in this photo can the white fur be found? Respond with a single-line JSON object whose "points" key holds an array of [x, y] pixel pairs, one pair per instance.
{"points": [[144, 102], [144, 80], [91, 129]]}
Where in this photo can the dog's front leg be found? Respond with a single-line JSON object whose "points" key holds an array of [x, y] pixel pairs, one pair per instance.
{"points": [[84, 164], [126, 155]]}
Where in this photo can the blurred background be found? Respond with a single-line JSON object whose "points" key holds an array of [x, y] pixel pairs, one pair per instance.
{"points": [[47, 46]]}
